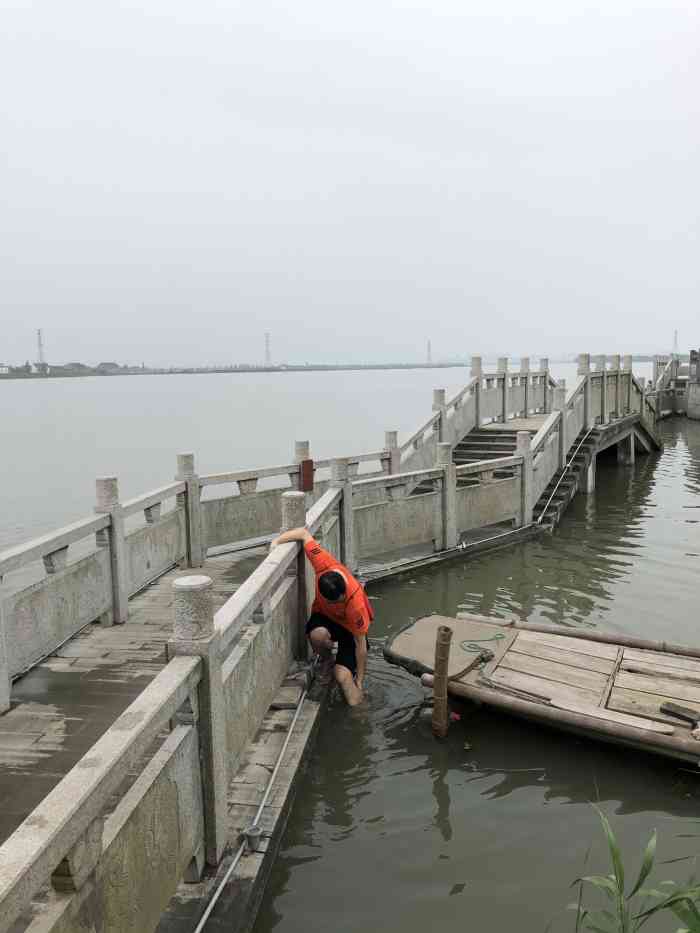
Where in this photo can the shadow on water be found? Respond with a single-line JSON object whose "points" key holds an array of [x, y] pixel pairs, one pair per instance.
{"points": [[393, 830]]}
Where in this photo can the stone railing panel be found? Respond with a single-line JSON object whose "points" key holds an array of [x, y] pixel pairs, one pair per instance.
{"points": [[69, 812], [154, 549], [545, 464], [491, 399], [42, 616], [394, 524], [488, 503], [148, 844], [257, 665]]}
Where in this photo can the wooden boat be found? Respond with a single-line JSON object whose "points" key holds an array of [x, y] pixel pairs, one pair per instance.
{"points": [[594, 684]]}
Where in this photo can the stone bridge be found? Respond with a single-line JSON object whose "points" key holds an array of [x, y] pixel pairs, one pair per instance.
{"points": [[142, 712]]}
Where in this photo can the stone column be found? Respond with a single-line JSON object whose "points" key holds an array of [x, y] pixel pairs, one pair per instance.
{"points": [[107, 488], [560, 406], [341, 480], [524, 449], [193, 509], [525, 379], [448, 501], [391, 445], [194, 635], [626, 451], [588, 478], [303, 481], [439, 405], [477, 373], [503, 369], [294, 516], [615, 368], [601, 367], [544, 369]]}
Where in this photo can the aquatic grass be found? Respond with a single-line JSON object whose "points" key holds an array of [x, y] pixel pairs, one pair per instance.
{"points": [[628, 911]]}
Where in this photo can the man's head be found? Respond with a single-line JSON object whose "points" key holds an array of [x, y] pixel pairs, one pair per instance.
{"points": [[331, 585]]}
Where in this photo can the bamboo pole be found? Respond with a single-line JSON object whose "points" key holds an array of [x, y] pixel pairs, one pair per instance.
{"points": [[441, 715]]}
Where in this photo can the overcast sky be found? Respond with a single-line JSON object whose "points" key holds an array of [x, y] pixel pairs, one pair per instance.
{"points": [[500, 177]]}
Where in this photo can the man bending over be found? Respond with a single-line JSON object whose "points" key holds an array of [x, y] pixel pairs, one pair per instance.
{"points": [[340, 612]]}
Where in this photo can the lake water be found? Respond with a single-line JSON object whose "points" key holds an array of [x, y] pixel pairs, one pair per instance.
{"points": [[392, 830], [397, 832], [57, 435]]}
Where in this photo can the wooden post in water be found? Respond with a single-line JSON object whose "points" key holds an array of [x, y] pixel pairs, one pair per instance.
{"points": [[441, 714]]}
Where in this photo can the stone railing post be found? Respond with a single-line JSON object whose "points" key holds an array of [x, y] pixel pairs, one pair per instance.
{"points": [[477, 373], [627, 377], [600, 366], [341, 480], [304, 480], [448, 499], [503, 370], [559, 405], [194, 635], [584, 369], [544, 369], [294, 516], [615, 368], [193, 509], [391, 445], [523, 449], [440, 406], [107, 488], [525, 383]]}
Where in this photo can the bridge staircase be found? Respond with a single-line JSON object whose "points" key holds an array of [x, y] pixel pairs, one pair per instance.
{"points": [[566, 482]]}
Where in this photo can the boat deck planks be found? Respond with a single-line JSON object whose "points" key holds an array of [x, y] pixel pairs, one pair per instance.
{"points": [[597, 688], [525, 645], [553, 670]]}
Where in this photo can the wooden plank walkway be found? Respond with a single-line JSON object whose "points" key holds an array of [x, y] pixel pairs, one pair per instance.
{"points": [[62, 706]]}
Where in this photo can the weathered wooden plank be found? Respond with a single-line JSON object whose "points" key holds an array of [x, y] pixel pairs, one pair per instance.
{"points": [[581, 645], [551, 670], [526, 645], [663, 659], [654, 669], [662, 686], [544, 688], [625, 719], [645, 704]]}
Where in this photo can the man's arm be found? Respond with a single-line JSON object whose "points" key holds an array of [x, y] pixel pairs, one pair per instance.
{"points": [[296, 534], [361, 655]]}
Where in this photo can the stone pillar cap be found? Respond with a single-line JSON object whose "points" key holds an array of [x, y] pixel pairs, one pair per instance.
{"points": [[195, 581]]}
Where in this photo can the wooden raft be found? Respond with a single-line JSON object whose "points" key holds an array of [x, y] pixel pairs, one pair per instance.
{"points": [[589, 683]]}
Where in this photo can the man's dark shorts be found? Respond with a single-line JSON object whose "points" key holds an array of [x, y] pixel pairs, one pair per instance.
{"points": [[346, 641]]}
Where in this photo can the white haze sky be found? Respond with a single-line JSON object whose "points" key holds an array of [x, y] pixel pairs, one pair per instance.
{"points": [[501, 177]]}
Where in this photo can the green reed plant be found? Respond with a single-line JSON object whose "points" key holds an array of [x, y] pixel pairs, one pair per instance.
{"points": [[626, 910]]}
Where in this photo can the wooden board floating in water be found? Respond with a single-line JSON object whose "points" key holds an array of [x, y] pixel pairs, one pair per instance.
{"points": [[598, 688]]}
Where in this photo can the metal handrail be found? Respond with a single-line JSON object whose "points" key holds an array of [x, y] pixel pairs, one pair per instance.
{"points": [[564, 472]]}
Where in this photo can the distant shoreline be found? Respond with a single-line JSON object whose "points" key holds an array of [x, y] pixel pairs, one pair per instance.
{"points": [[241, 370]]}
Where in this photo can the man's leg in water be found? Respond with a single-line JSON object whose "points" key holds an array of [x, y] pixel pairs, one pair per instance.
{"points": [[322, 645], [346, 681]]}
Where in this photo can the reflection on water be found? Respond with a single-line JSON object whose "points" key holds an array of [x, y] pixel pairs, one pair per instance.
{"points": [[394, 831]]}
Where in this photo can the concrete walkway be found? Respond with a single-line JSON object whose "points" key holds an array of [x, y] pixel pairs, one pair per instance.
{"points": [[62, 706]]}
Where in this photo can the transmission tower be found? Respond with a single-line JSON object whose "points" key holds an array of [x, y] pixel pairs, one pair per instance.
{"points": [[268, 353], [41, 357]]}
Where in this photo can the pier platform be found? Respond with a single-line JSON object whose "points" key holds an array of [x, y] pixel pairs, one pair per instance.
{"points": [[62, 707]]}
